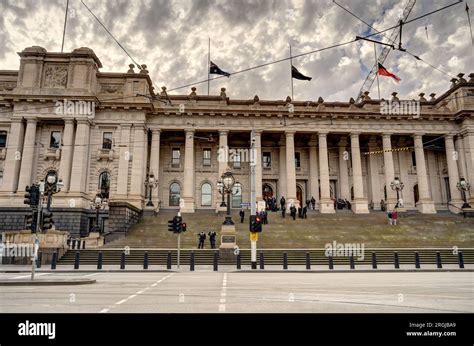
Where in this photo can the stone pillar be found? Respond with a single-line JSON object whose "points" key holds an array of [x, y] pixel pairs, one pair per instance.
{"points": [[403, 158], [359, 204], [463, 172], [326, 205], [374, 181], [343, 170], [11, 168], [155, 164], [27, 158], [389, 170], [80, 161], [453, 173], [290, 170], [139, 158], [66, 154], [222, 165], [124, 162], [468, 137], [258, 167], [187, 199], [425, 205], [313, 172], [282, 170]]}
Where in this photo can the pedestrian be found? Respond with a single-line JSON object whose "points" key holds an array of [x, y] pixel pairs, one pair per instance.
{"points": [[282, 202], [212, 239], [293, 212], [242, 215], [305, 210], [202, 238], [300, 210], [313, 203], [394, 217], [389, 214], [283, 212]]}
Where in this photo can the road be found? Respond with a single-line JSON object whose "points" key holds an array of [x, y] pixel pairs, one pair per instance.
{"points": [[233, 292]]}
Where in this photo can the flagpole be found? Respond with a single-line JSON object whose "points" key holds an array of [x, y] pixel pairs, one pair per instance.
{"points": [[65, 21], [208, 66], [291, 73], [377, 73]]}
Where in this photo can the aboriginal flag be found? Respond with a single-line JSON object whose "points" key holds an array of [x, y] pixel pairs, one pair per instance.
{"points": [[297, 74], [214, 69], [384, 72]]}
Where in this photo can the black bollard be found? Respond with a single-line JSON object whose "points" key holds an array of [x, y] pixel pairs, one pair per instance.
{"points": [[239, 263], [439, 263], [374, 260], [417, 260], [216, 267], [76, 260], [53, 260], [38, 261], [262, 261], [351, 261], [168, 260], [331, 262], [285, 260], [396, 260], [83, 244], [461, 260], [99, 260], [145, 260], [191, 262], [308, 261], [122, 261]]}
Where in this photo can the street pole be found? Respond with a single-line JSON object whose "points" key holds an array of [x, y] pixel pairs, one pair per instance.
{"points": [[38, 229], [253, 197], [179, 242]]}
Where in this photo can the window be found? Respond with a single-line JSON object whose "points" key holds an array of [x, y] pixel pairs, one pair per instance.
{"points": [[237, 195], [175, 195], [107, 140], [55, 140], [297, 160], [413, 159], [267, 160], [3, 139], [236, 159], [175, 157], [206, 195], [206, 157], [104, 184]]}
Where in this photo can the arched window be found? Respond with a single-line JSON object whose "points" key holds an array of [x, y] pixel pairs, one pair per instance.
{"points": [[206, 195], [237, 195], [104, 184], [175, 194]]}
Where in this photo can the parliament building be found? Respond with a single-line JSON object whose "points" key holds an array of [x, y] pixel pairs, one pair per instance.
{"points": [[107, 133]]}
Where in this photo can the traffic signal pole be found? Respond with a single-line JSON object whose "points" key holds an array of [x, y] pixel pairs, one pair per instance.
{"points": [[253, 197], [179, 243], [38, 229]]}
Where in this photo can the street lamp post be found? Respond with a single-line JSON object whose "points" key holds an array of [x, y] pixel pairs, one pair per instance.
{"points": [[152, 183], [52, 186], [464, 186], [398, 186], [98, 203], [228, 182], [220, 188]]}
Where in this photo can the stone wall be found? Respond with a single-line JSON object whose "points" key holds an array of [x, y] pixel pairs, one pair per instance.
{"points": [[122, 216]]}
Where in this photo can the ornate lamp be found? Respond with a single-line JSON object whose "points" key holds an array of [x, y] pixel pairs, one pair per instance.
{"points": [[464, 186], [152, 183], [397, 185]]}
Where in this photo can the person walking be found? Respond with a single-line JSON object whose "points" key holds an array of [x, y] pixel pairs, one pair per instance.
{"points": [[293, 212], [202, 238], [242, 215], [282, 202], [305, 210], [389, 215], [283, 212], [313, 203], [394, 217]]}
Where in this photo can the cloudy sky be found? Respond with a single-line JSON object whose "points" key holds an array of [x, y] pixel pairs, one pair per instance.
{"points": [[171, 38]]}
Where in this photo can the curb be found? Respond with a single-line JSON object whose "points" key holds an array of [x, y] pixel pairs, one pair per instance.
{"points": [[90, 271], [352, 271], [46, 282]]}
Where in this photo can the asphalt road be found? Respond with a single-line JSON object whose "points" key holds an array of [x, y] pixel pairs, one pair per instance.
{"points": [[221, 292]]}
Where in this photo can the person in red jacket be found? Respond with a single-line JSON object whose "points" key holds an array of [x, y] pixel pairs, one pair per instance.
{"points": [[394, 217]]}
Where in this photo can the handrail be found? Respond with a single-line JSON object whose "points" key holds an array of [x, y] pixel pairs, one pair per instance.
{"points": [[455, 206]]}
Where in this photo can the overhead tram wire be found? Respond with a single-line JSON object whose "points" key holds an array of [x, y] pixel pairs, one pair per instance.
{"points": [[318, 50]]}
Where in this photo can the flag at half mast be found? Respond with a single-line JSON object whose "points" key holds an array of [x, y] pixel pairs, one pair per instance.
{"points": [[298, 75], [214, 69]]}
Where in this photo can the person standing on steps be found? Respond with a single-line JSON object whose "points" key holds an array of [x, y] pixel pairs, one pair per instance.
{"points": [[212, 239], [202, 238], [242, 215], [305, 210], [313, 203], [394, 217], [283, 212], [282, 202]]}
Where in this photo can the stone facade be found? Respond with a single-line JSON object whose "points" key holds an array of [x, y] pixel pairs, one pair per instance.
{"points": [[60, 114]]}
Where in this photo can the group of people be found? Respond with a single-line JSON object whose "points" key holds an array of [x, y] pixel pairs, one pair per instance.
{"points": [[212, 239], [340, 204], [311, 203], [302, 211], [392, 217], [263, 215], [271, 203]]}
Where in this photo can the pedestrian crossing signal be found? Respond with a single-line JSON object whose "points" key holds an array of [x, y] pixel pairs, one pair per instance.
{"points": [[255, 223], [31, 221], [47, 222], [172, 225]]}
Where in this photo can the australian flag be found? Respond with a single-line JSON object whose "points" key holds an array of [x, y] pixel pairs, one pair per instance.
{"points": [[214, 69], [297, 74]]}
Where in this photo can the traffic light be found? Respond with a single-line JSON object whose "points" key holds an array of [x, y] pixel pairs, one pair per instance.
{"points": [[47, 220], [179, 223], [172, 225], [255, 223], [31, 196], [31, 221]]}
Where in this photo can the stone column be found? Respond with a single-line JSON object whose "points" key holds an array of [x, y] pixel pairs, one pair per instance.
{"points": [[343, 171], [425, 205], [124, 162], [187, 199], [453, 173], [374, 181], [27, 158], [139, 158], [11, 168], [282, 170], [290, 170], [359, 204], [258, 167], [468, 137], [66, 154], [313, 172], [389, 170], [463, 172], [222, 164], [80, 161], [326, 205], [403, 158], [155, 164]]}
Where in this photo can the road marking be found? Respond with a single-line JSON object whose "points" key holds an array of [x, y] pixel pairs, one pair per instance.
{"points": [[107, 309], [223, 294], [27, 276]]}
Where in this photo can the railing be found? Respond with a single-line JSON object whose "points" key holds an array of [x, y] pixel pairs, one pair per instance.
{"points": [[456, 207], [115, 234]]}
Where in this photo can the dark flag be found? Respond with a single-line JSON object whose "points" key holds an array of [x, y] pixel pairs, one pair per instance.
{"points": [[297, 74], [384, 72], [214, 69]]}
